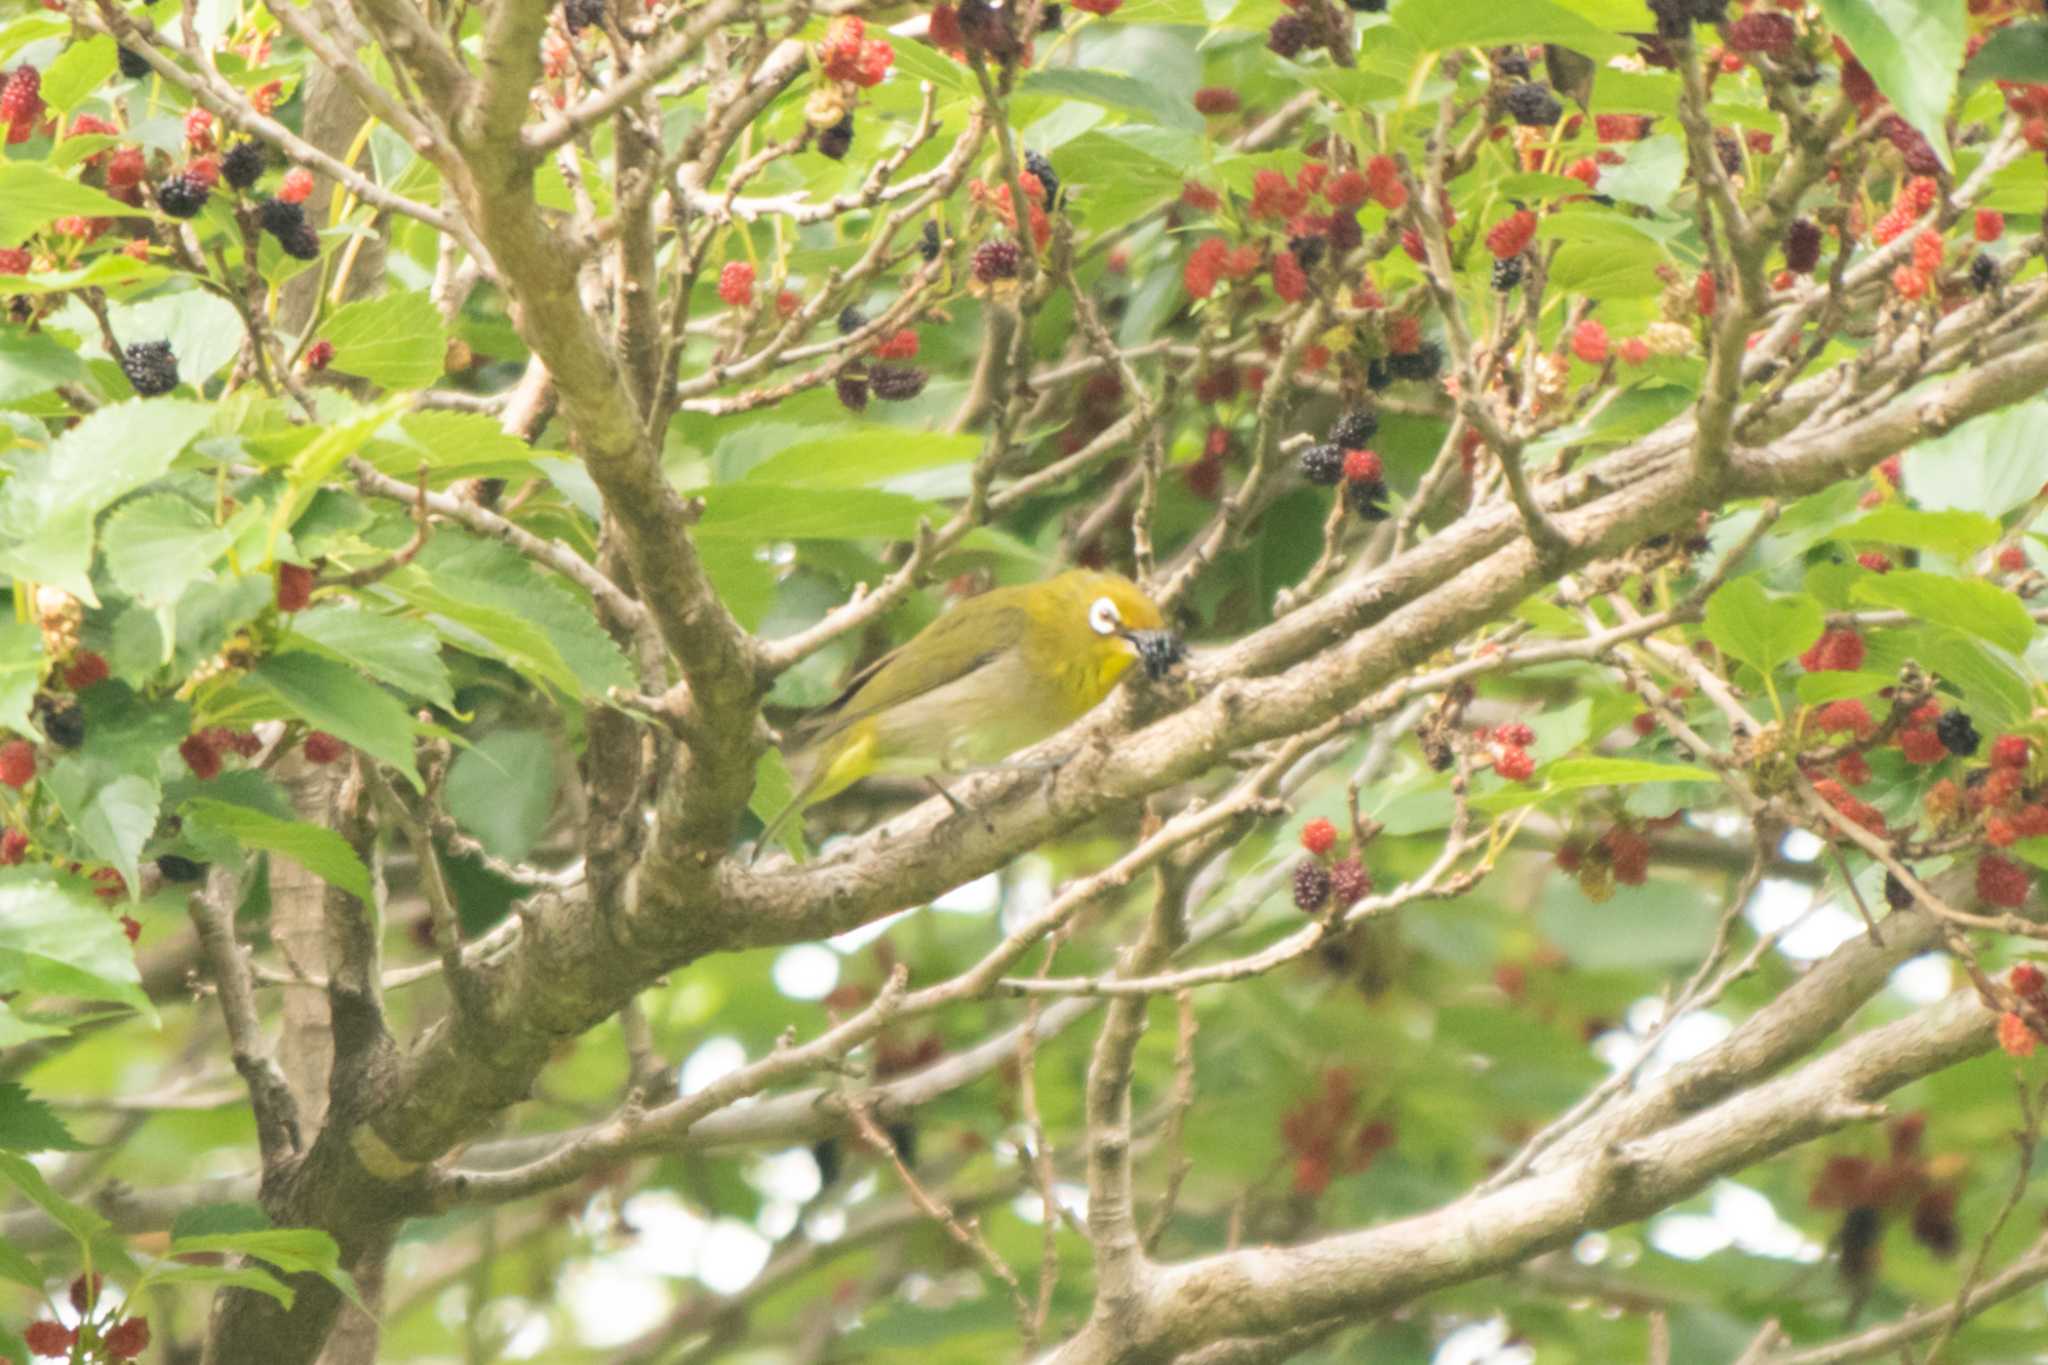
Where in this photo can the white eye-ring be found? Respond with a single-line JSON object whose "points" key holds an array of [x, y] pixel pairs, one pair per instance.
{"points": [[1103, 617]]}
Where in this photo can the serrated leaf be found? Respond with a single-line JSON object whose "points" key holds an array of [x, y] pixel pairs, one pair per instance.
{"points": [[320, 851], [337, 699], [1649, 174], [2016, 52], [495, 577], [1762, 631], [1575, 774], [1912, 49], [48, 507], [35, 362], [392, 649], [112, 813], [312, 465], [1982, 609], [31, 195], [29, 1125], [1955, 534], [1992, 684], [158, 546], [396, 341], [443, 441]]}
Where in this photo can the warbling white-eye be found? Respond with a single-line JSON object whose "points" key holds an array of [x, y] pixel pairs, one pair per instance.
{"points": [[995, 674]]}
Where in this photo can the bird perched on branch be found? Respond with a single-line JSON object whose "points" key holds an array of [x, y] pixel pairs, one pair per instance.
{"points": [[995, 674]]}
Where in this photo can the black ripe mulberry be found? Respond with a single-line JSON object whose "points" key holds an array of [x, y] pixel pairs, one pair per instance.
{"points": [[1957, 734], [1050, 18], [1532, 105], [997, 259], [1424, 363], [1510, 62], [1895, 893], [853, 392], [180, 869], [1983, 273], [1368, 498], [578, 15], [1368, 6], [1311, 886], [244, 164], [181, 196], [1289, 35], [1308, 251], [1377, 373], [132, 64], [1507, 273], [150, 367], [1355, 429], [897, 383], [1036, 163], [928, 244], [851, 320], [1323, 463], [1802, 246], [280, 218], [1349, 881], [835, 142]]}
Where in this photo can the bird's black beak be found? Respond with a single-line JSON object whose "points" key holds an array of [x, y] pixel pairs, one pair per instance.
{"points": [[1158, 650]]}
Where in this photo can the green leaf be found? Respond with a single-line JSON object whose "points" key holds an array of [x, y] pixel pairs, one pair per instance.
{"points": [[31, 195], [1649, 174], [157, 546], [79, 70], [1993, 685], [29, 1125], [486, 631], [503, 597], [1816, 689], [2017, 52], [396, 341], [321, 456], [1761, 630], [1113, 91], [48, 507], [21, 672], [35, 362], [1991, 464], [503, 791], [1575, 774], [392, 649], [82, 1223], [210, 1220], [241, 1277], [445, 441], [113, 813], [16, 1266], [204, 329], [757, 512], [320, 851], [2033, 850], [1912, 49], [295, 1251], [1967, 604], [15, 1030], [332, 697], [1955, 534], [863, 456], [1442, 24], [1656, 925]]}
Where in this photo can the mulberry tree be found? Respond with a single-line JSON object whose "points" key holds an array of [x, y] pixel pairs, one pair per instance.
{"points": [[1578, 899]]}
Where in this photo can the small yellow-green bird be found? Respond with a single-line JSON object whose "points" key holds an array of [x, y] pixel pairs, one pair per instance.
{"points": [[995, 674]]}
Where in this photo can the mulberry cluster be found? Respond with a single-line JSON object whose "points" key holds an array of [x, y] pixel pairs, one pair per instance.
{"points": [[1423, 363], [578, 15], [1675, 18], [1323, 463], [997, 259], [132, 63], [1355, 428], [1365, 484], [1507, 273], [1802, 246], [286, 221], [244, 163], [1763, 31], [151, 367], [1532, 105], [835, 142], [1289, 35], [182, 196], [1036, 164], [896, 383]]}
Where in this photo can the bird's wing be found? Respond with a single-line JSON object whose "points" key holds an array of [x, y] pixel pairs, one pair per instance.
{"points": [[901, 674]]}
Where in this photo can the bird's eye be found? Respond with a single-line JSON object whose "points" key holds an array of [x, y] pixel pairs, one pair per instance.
{"points": [[1103, 617]]}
